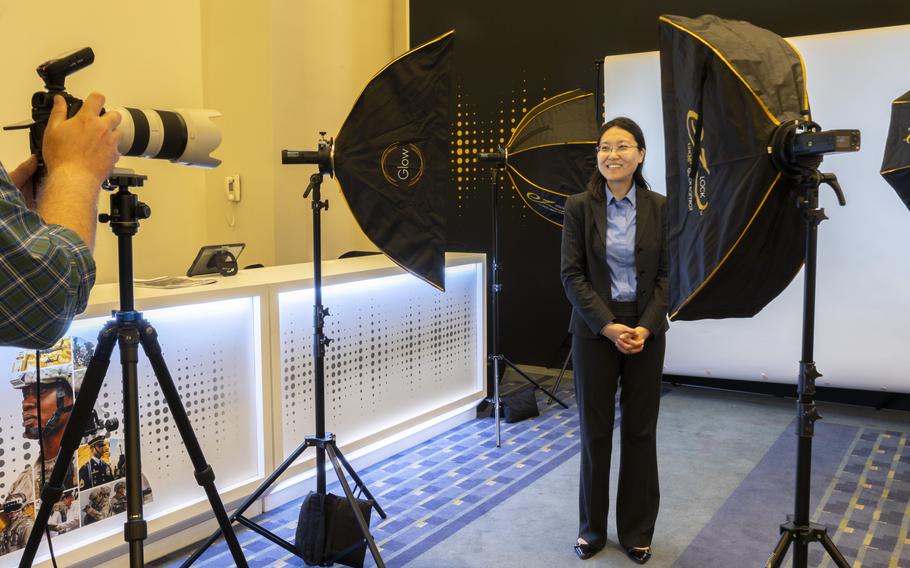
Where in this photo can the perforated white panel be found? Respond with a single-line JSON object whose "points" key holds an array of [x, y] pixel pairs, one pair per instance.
{"points": [[212, 353], [401, 348]]}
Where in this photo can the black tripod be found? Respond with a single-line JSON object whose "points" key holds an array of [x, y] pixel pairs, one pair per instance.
{"points": [[798, 530], [323, 441], [498, 161], [129, 330]]}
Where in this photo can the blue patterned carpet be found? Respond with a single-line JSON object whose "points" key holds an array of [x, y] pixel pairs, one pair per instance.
{"points": [[432, 490], [861, 490]]}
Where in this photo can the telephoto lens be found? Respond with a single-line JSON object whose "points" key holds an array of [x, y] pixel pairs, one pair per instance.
{"points": [[183, 136]]}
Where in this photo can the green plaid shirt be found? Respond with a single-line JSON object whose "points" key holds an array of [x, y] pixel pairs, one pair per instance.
{"points": [[46, 273]]}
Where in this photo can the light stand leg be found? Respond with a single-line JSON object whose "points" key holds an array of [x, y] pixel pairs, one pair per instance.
{"points": [[833, 552], [358, 482], [533, 382], [780, 551], [72, 436], [238, 514], [562, 373], [361, 522]]}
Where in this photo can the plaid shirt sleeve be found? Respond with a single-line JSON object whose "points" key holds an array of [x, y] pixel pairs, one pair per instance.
{"points": [[46, 273]]}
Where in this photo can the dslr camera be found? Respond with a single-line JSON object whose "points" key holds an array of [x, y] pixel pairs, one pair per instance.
{"points": [[183, 136]]}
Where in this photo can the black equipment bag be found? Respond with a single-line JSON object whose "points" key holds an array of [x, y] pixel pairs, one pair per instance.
{"points": [[310, 536], [327, 528], [343, 536], [520, 404]]}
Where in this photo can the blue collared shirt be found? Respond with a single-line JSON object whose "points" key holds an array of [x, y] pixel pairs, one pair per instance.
{"points": [[621, 245]]}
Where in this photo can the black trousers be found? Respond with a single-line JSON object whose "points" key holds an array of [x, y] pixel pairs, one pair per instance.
{"points": [[600, 369]]}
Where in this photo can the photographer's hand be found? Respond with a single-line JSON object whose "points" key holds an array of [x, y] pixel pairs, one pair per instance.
{"points": [[80, 153], [22, 179]]}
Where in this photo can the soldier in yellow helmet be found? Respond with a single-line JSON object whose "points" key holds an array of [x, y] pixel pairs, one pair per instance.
{"points": [[58, 388], [15, 535]]}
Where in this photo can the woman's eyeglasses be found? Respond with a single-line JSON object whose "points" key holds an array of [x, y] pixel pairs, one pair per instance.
{"points": [[619, 148]]}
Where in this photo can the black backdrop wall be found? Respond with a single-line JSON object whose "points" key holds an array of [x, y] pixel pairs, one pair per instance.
{"points": [[509, 54]]}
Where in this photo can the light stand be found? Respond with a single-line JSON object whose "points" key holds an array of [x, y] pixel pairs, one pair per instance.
{"points": [[128, 329], [798, 530], [499, 161], [324, 442]]}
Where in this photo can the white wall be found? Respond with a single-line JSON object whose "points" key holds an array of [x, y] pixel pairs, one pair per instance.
{"points": [[279, 71], [863, 260], [237, 53], [133, 67], [324, 53]]}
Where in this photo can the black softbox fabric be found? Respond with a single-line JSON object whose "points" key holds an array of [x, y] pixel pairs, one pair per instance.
{"points": [[735, 233], [391, 158], [551, 152], [896, 163]]}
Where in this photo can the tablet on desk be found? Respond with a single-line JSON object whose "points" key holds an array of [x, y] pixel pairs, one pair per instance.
{"points": [[216, 259]]}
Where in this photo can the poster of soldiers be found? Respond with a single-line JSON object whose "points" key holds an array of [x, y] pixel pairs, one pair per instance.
{"points": [[94, 487]]}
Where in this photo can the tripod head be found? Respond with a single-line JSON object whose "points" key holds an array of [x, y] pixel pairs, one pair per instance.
{"points": [[126, 209]]}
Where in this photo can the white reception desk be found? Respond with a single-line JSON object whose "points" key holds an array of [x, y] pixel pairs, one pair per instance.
{"points": [[405, 357]]}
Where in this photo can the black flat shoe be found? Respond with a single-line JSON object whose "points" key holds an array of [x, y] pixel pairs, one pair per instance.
{"points": [[585, 551], [639, 555]]}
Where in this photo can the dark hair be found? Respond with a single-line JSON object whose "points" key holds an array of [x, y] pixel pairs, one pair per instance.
{"points": [[597, 181]]}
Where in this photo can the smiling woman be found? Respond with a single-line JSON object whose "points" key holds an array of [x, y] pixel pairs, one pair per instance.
{"points": [[618, 158], [614, 270]]}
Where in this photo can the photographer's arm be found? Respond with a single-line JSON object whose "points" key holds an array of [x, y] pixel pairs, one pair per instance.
{"points": [[46, 266], [46, 272]]}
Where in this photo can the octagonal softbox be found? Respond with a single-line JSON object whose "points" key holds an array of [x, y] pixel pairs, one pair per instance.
{"points": [[550, 153], [896, 163], [391, 158], [735, 233]]}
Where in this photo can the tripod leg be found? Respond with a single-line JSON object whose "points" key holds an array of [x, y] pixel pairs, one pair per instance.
{"points": [[269, 481], [205, 477], [72, 435], [780, 551], [364, 528], [832, 550], [535, 383], [359, 483], [134, 529]]}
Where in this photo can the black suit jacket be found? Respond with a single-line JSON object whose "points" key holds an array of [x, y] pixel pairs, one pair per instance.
{"points": [[586, 276]]}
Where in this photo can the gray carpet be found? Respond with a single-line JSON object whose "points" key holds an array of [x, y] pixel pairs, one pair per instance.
{"points": [[726, 463]]}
